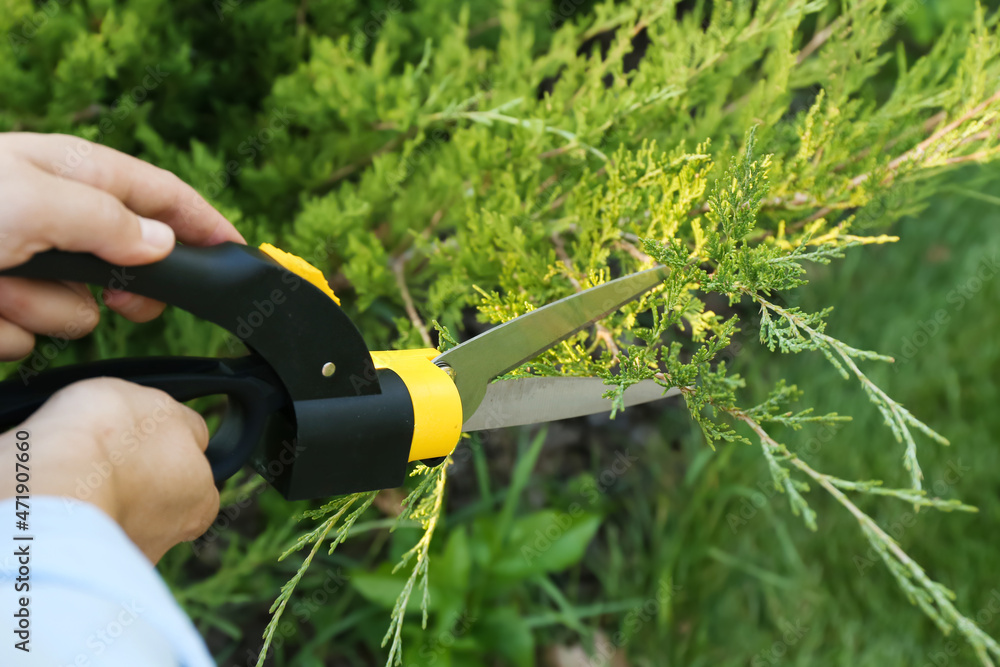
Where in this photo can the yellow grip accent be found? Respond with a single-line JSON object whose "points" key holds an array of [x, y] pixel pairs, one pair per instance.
{"points": [[437, 407], [299, 267]]}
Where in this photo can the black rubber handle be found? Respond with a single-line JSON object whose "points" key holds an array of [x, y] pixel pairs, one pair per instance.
{"points": [[253, 389], [292, 325], [324, 421], [240, 289]]}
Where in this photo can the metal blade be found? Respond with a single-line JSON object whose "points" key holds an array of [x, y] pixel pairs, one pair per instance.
{"points": [[506, 346], [540, 399]]}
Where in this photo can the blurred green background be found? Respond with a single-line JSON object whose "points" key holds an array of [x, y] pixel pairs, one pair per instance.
{"points": [[673, 554]]}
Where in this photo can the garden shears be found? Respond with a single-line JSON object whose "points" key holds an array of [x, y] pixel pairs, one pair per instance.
{"points": [[310, 408]]}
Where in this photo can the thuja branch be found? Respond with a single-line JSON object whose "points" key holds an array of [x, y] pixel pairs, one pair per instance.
{"points": [[485, 117], [398, 266], [932, 151], [337, 508], [797, 331], [929, 148], [423, 504], [933, 598], [488, 118], [602, 332]]}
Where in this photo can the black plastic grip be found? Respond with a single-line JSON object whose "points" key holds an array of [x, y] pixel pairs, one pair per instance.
{"points": [[253, 389], [295, 327], [307, 358]]}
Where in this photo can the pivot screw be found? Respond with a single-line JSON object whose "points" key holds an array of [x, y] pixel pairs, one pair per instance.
{"points": [[329, 368]]}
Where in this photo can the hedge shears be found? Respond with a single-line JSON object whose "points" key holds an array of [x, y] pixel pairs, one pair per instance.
{"points": [[311, 408]]}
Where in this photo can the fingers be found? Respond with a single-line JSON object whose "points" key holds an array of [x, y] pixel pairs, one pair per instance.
{"points": [[195, 423], [142, 414], [146, 403], [15, 342], [60, 309], [134, 307], [203, 504], [148, 190], [172, 474], [63, 310], [71, 216], [50, 308], [63, 192], [152, 476]]}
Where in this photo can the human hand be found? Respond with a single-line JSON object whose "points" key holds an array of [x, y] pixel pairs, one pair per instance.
{"points": [[118, 207], [132, 451]]}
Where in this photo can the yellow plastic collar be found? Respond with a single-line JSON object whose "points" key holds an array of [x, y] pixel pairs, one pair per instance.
{"points": [[437, 407], [299, 267]]}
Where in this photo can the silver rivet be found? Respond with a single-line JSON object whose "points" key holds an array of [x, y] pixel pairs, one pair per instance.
{"points": [[329, 368], [449, 371]]}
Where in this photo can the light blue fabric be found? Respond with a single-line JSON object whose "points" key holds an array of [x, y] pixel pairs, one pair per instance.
{"points": [[95, 599]]}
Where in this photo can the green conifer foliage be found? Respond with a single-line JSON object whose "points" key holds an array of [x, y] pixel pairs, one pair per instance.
{"points": [[437, 157]]}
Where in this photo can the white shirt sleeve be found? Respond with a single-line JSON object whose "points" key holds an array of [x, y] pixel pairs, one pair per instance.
{"points": [[93, 599]]}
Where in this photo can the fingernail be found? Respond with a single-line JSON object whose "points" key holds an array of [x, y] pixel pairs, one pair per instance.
{"points": [[156, 234]]}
